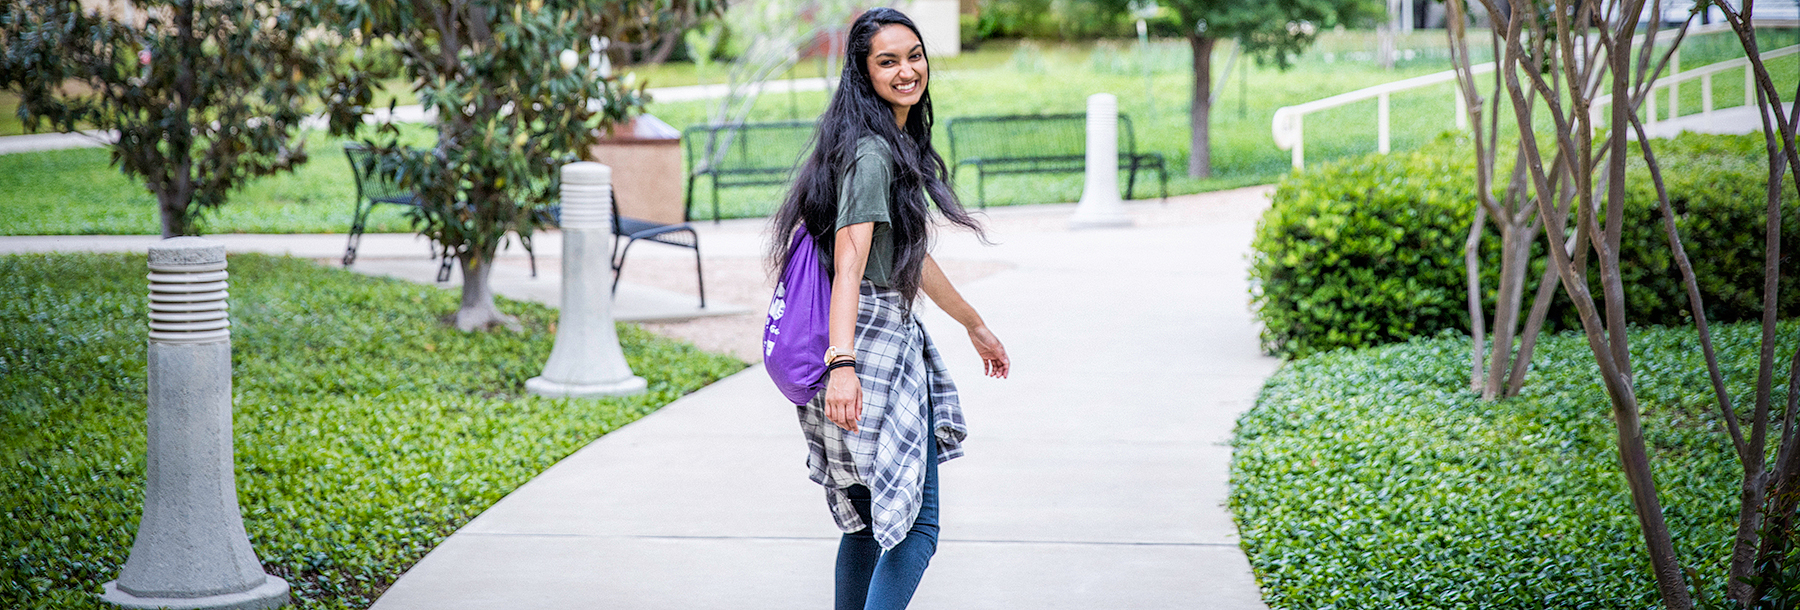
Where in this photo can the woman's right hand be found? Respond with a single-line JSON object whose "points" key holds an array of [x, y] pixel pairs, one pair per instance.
{"points": [[843, 398]]}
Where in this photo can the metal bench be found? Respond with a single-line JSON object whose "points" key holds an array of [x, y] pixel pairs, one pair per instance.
{"points": [[1040, 143], [373, 190], [743, 154]]}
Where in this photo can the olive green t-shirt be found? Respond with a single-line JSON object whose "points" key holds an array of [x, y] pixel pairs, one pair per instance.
{"points": [[863, 197]]}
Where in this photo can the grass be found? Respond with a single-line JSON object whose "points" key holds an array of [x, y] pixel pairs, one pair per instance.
{"points": [[366, 430], [9, 114], [77, 192], [67, 192], [1373, 478]]}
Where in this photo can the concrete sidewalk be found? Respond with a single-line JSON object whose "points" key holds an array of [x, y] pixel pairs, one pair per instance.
{"points": [[1095, 476]]}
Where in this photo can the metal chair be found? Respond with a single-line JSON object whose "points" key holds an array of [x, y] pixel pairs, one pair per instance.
{"points": [[630, 230]]}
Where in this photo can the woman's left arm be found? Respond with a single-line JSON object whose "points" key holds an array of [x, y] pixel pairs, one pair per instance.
{"points": [[938, 287]]}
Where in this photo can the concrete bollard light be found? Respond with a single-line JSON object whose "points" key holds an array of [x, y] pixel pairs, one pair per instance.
{"points": [[1100, 205], [586, 360], [191, 550]]}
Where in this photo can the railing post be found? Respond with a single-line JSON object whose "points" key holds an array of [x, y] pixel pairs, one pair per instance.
{"points": [[1462, 110], [1299, 141], [1749, 85], [1649, 106], [1706, 94], [1381, 124], [1674, 85]]}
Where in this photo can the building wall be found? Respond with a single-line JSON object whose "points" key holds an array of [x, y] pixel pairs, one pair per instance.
{"points": [[938, 24]]}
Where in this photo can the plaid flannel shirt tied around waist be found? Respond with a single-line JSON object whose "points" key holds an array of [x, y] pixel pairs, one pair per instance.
{"points": [[908, 400]]}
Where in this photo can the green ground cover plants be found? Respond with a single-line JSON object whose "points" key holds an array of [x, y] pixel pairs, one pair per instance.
{"points": [[366, 430], [1373, 479]]}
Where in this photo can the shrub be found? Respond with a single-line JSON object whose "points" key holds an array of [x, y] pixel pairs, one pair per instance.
{"points": [[1363, 251], [1370, 250], [1372, 479]]}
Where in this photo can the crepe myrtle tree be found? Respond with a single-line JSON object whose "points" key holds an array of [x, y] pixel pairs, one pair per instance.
{"points": [[204, 96], [513, 100], [1269, 30]]}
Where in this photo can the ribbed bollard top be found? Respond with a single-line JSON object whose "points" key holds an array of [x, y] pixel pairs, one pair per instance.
{"points": [[187, 291], [586, 196]]}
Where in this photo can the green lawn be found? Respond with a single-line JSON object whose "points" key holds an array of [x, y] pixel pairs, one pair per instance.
{"points": [[366, 430], [78, 192], [67, 192], [1373, 479], [9, 115]]}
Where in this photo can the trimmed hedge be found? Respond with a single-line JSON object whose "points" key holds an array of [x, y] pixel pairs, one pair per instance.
{"points": [[1370, 250], [1372, 478], [366, 429]]}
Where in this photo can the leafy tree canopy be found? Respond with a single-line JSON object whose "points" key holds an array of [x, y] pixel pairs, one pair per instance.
{"points": [[513, 99], [205, 96]]}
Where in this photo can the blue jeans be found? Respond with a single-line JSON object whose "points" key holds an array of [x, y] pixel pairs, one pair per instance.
{"points": [[868, 579]]}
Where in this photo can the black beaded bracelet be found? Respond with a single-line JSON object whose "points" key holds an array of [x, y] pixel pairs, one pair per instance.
{"points": [[840, 364]]}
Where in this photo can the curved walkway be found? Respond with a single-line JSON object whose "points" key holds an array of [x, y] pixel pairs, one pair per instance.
{"points": [[1095, 476]]}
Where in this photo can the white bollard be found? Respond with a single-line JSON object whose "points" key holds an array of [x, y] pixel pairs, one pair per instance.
{"points": [[1100, 204], [586, 360], [191, 550]]}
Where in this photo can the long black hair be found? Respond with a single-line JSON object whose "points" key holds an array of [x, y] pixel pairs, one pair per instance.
{"points": [[857, 111]]}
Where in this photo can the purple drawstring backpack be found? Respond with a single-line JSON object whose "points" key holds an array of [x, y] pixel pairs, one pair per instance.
{"points": [[797, 334]]}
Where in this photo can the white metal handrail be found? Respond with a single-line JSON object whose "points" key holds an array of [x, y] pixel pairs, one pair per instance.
{"points": [[1289, 126], [1705, 74]]}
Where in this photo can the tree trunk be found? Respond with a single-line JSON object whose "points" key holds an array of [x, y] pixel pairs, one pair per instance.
{"points": [[1477, 321], [1534, 324], [664, 48], [177, 188], [478, 311], [1200, 111], [172, 215], [1515, 258]]}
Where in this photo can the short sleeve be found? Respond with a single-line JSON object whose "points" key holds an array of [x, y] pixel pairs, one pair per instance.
{"points": [[863, 196]]}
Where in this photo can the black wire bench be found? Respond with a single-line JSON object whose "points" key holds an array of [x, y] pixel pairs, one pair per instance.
{"points": [[743, 154], [1040, 143], [371, 190]]}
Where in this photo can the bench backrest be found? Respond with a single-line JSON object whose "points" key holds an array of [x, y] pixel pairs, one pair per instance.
{"points": [[774, 147], [369, 186], [1027, 136]]}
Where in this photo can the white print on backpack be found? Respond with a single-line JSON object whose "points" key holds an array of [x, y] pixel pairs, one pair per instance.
{"points": [[777, 307]]}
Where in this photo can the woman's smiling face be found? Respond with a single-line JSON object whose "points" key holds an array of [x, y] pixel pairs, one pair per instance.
{"points": [[897, 67]]}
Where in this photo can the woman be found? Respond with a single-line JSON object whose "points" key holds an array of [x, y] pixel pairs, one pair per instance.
{"points": [[889, 412]]}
